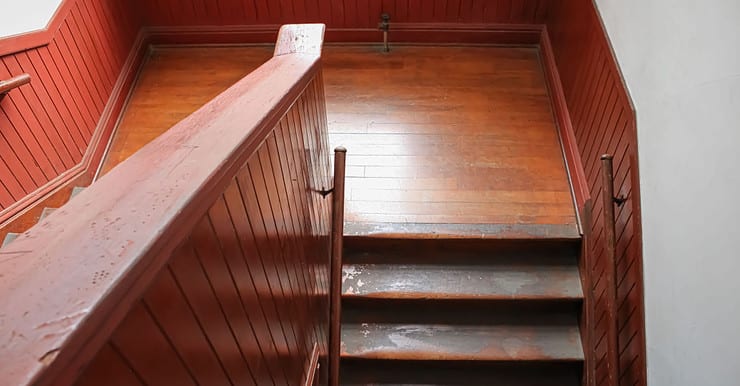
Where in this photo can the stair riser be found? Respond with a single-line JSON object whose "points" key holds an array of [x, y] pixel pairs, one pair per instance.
{"points": [[379, 372]]}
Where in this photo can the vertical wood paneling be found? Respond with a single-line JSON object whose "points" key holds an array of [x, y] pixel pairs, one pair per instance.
{"points": [[604, 122], [46, 127], [341, 13], [243, 299]]}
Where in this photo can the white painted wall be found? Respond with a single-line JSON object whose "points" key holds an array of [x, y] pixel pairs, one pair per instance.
{"points": [[681, 62], [21, 16]]}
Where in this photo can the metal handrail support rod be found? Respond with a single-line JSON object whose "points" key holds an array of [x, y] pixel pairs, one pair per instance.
{"points": [[610, 273], [337, 247], [7, 85]]}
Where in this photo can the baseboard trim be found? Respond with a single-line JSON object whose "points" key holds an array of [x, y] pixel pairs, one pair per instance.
{"points": [[236, 34], [99, 141], [312, 370], [421, 33], [571, 154]]}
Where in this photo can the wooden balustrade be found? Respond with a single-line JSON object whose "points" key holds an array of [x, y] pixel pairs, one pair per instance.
{"points": [[202, 259]]}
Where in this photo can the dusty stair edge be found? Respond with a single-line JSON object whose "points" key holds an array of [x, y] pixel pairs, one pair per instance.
{"points": [[462, 231], [9, 238], [75, 191]]}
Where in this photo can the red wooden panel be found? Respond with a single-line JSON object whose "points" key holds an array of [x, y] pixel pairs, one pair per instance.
{"points": [[242, 300], [110, 368], [196, 288], [142, 343], [50, 123], [31, 137], [29, 113], [37, 114], [54, 102], [603, 122], [10, 190], [172, 313], [16, 171], [23, 149], [212, 258], [341, 13], [79, 52]]}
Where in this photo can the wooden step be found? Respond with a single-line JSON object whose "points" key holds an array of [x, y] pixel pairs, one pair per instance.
{"points": [[46, 213], [556, 279], [9, 238], [75, 191], [558, 342], [386, 373]]}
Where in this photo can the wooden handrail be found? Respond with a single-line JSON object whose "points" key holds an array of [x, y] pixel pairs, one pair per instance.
{"points": [[70, 280], [610, 270], [337, 247], [12, 83]]}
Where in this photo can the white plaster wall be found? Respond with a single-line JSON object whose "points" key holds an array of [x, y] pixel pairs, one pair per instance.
{"points": [[681, 62], [21, 16]]}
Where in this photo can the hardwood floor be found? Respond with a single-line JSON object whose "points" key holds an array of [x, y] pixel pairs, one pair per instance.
{"points": [[435, 135], [173, 83], [446, 135]]}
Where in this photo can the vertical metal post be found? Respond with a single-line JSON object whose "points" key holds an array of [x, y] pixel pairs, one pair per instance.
{"points": [[385, 26], [337, 246], [610, 270]]}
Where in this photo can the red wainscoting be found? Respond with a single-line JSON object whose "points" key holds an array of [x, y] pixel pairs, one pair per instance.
{"points": [[417, 21], [56, 128], [340, 13], [213, 273], [604, 122], [243, 300]]}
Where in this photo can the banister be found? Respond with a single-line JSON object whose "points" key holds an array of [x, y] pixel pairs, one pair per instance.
{"points": [[69, 281], [337, 246], [7, 85], [610, 269]]}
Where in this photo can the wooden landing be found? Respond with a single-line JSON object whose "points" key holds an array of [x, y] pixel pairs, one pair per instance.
{"points": [[445, 141], [447, 135]]}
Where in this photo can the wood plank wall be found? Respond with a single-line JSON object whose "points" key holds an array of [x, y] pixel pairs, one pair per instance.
{"points": [[604, 122], [47, 126], [340, 13], [244, 299]]}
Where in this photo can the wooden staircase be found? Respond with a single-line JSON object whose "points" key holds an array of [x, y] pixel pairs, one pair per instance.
{"points": [[461, 312], [11, 236]]}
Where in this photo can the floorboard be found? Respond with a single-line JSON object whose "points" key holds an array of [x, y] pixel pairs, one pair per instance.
{"points": [[435, 135]]}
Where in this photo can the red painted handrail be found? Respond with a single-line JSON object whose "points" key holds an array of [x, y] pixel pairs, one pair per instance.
{"points": [[68, 282], [12, 83]]}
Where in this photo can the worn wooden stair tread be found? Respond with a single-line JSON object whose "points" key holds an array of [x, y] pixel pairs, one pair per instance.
{"points": [[559, 342], [481, 282], [9, 238]]}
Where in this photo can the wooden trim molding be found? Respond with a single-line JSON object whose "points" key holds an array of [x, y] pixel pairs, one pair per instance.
{"points": [[313, 367], [571, 154], [424, 33], [103, 131], [37, 38]]}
